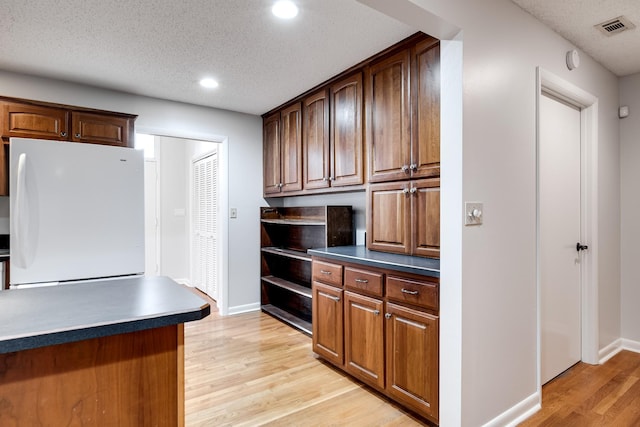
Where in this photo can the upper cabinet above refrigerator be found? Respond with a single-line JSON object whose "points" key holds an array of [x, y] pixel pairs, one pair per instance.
{"points": [[20, 118]]}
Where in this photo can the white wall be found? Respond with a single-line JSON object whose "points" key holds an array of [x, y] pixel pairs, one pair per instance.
{"points": [[173, 212], [630, 204], [502, 46], [244, 133]]}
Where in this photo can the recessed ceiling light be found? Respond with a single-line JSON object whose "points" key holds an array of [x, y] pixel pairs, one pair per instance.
{"points": [[209, 83], [285, 9]]}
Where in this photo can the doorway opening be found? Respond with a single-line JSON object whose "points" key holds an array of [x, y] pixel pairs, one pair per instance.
{"points": [[549, 87], [183, 197]]}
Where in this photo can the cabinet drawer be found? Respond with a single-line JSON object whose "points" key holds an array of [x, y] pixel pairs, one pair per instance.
{"points": [[328, 273], [363, 280], [424, 294]]}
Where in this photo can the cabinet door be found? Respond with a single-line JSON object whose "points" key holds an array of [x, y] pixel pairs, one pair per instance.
{"points": [[101, 129], [425, 90], [291, 148], [364, 338], [315, 138], [271, 154], [31, 121], [4, 169], [389, 118], [389, 217], [412, 359], [327, 323], [425, 200], [347, 158]]}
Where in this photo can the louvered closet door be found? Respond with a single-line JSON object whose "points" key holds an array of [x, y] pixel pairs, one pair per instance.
{"points": [[205, 225]]}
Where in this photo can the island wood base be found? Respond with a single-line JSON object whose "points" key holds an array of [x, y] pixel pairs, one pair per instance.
{"points": [[132, 379]]}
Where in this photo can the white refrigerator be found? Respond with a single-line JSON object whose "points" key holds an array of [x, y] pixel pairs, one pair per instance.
{"points": [[76, 212]]}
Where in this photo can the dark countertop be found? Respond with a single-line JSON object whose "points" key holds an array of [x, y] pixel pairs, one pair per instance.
{"points": [[39, 317], [361, 255]]}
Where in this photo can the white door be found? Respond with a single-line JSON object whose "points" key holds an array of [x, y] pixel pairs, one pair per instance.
{"points": [[205, 225], [559, 180], [151, 218]]}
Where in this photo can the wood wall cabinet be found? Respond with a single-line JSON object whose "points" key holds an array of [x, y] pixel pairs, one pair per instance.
{"points": [[404, 217], [21, 118], [402, 100], [332, 135], [286, 235], [282, 150], [31, 119], [390, 330]]}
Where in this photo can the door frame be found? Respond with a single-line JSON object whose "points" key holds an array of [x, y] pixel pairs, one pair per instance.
{"points": [[223, 186], [546, 82]]}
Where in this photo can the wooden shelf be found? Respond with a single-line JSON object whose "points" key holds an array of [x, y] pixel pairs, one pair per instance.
{"points": [[286, 234], [289, 253], [291, 222], [288, 318], [290, 286]]}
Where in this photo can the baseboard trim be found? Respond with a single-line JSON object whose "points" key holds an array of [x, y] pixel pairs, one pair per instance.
{"points": [[517, 413], [246, 308], [630, 345], [609, 351]]}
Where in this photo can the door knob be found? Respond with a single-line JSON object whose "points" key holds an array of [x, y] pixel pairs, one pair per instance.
{"points": [[580, 247]]}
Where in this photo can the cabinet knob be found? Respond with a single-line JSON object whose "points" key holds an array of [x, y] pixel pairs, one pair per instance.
{"points": [[325, 178], [405, 191], [413, 166], [331, 178], [280, 185], [63, 134], [387, 316], [413, 190], [405, 168], [376, 312], [77, 135]]}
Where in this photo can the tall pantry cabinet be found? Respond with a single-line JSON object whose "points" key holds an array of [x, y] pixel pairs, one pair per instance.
{"points": [[403, 135]]}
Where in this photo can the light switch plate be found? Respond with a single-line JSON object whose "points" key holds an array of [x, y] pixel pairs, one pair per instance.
{"points": [[473, 213], [233, 213]]}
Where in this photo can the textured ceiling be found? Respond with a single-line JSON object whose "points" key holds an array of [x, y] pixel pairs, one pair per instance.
{"points": [[161, 48], [575, 20]]}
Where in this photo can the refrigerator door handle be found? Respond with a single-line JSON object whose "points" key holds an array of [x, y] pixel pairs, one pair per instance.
{"points": [[20, 214]]}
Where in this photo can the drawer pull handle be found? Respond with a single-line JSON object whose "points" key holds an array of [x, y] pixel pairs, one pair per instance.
{"points": [[325, 272], [362, 281], [407, 291]]}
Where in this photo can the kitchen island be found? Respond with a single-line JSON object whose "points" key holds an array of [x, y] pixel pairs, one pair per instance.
{"points": [[98, 353]]}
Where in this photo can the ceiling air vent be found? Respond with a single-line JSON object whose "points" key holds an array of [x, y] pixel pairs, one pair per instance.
{"points": [[615, 26]]}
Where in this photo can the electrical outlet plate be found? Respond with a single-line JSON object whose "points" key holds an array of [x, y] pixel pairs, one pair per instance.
{"points": [[473, 213]]}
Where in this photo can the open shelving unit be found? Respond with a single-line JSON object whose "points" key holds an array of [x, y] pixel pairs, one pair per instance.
{"points": [[285, 236]]}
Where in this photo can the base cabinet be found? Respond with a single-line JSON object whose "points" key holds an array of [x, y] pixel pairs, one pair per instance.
{"points": [[382, 327], [412, 358], [327, 322], [364, 338]]}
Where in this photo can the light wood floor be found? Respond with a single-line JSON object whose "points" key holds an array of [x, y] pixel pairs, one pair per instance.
{"points": [[588, 395], [253, 370]]}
